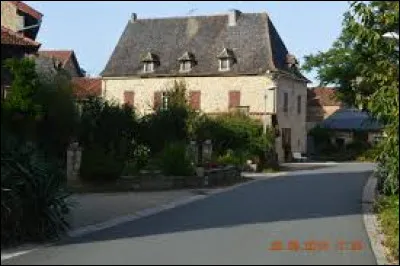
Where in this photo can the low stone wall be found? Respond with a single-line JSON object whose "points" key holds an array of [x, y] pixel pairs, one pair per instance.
{"points": [[154, 180]]}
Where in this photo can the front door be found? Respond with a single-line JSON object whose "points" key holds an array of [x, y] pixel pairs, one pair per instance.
{"points": [[286, 143]]}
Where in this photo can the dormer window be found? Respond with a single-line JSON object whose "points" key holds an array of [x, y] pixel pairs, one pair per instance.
{"points": [[150, 61], [148, 67], [226, 59], [186, 62]]}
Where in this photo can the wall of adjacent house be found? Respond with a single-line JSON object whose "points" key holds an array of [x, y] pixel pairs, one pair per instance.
{"points": [[373, 137], [214, 92], [9, 17], [292, 119]]}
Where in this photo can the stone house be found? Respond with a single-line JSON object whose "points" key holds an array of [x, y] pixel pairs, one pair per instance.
{"points": [[19, 27], [229, 61], [63, 59]]}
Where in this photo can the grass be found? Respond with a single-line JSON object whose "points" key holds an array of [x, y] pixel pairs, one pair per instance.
{"points": [[387, 209], [270, 170]]}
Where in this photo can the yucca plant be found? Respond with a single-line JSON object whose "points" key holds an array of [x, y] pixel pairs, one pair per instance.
{"points": [[34, 201]]}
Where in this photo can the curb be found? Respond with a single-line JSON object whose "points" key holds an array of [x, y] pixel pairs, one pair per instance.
{"points": [[371, 222]]}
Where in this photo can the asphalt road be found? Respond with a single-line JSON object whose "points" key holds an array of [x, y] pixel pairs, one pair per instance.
{"points": [[240, 226]]}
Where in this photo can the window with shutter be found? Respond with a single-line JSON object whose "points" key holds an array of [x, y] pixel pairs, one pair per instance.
{"points": [[129, 97], [234, 99], [299, 104], [285, 102], [195, 99]]}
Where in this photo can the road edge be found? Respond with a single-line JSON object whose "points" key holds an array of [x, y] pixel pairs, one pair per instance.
{"points": [[371, 221]]}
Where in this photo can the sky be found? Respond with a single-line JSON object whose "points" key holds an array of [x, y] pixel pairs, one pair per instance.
{"points": [[92, 29]]}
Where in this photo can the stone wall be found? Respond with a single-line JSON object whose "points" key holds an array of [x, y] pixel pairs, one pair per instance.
{"points": [[214, 91], [9, 17]]}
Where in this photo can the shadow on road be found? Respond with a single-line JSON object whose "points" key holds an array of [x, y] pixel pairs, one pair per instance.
{"points": [[296, 197]]}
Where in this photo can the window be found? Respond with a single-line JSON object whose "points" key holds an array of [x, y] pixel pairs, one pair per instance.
{"points": [[195, 99], [285, 102], [234, 99], [224, 64], [186, 66], [4, 91], [148, 67], [129, 97], [164, 99], [299, 104]]}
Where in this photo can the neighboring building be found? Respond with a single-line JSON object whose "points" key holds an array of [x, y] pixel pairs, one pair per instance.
{"points": [[321, 103], [353, 124], [86, 87], [63, 59], [227, 61], [19, 27]]}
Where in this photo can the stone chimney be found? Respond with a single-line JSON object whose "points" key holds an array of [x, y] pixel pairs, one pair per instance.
{"points": [[133, 17], [233, 16]]}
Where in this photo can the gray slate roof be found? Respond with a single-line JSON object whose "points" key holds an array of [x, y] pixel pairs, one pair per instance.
{"points": [[254, 41], [351, 119]]}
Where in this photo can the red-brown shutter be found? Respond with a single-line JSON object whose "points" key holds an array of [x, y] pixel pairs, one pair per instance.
{"points": [[195, 99], [234, 99], [129, 98], [157, 100]]}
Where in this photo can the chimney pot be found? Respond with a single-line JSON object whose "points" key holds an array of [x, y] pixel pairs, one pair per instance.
{"points": [[133, 17], [233, 16]]}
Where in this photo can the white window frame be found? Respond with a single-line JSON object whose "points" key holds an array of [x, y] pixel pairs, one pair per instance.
{"points": [[148, 67], [185, 66], [164, 100], [228, 64]]}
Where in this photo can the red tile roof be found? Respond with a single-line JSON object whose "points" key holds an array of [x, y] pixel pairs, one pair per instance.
{"points": [[10, 37], [84, 87], [323, 96], [62, 55], [21, 6]]}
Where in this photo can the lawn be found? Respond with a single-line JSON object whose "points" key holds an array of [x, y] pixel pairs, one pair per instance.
{"points": [[387, 208]]}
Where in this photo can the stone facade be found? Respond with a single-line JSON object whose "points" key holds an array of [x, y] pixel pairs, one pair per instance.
{"points": [[9, 17], [216, 93], [292, 118]]}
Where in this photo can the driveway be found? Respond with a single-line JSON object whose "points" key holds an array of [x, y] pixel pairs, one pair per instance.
{"points": [[239, 226]]}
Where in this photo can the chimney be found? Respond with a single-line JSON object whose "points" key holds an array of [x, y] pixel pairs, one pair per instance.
{"points": [[133, 17], [233, 16]]}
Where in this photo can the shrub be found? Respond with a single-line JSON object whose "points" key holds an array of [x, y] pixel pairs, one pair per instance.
{"points": [[174, 160], [34, 198], [107, 134], [99, 164]]}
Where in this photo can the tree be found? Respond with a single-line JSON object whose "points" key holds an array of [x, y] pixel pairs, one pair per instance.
{"points": [[365, 68]]}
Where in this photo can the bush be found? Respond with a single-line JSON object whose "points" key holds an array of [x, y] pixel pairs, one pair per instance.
{"points": [[230, 158], [174, 160], [107, 134], [34, 197], [99, 164], [238, 133]]}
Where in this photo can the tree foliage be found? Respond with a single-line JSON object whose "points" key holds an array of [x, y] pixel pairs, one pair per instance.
{"points": [[365, 67]]}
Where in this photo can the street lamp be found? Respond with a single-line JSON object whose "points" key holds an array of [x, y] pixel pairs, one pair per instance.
{"points": [[391, 35]]}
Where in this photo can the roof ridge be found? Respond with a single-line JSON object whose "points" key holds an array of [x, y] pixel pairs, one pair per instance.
{"points": [[199, 16]]}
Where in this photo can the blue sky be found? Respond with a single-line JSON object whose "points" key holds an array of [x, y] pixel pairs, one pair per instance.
{"points": [[92, 29]]}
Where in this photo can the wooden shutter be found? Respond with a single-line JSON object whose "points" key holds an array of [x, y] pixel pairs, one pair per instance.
{"points": [[234, 99], [129, 98], [195, 99], [157, 100]]}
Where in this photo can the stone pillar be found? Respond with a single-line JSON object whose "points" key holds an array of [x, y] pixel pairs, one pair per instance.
{"points": [[74, 156]]}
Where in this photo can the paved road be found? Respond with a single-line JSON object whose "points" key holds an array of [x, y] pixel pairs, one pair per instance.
{"points": [[237, 227]]}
